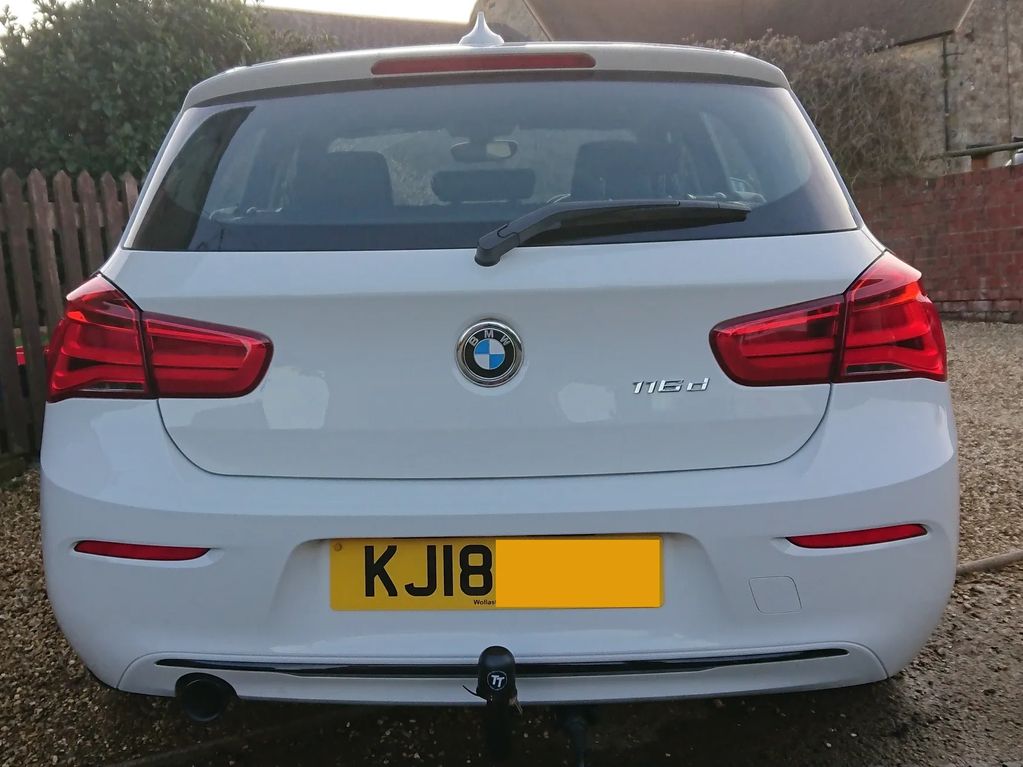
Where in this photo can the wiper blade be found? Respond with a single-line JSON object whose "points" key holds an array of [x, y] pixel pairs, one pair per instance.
{"points": [[630, 214]]}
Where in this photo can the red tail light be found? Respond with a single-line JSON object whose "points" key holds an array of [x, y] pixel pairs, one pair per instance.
{"points": [[482, 62], [139, 551], [858, 537], [104, 346], [195, 359], [883, 326], [892, 329], [96, 349], [794, 345]]}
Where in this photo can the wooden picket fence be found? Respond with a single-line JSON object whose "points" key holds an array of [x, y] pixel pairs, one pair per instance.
{"points": [[52, 236]]}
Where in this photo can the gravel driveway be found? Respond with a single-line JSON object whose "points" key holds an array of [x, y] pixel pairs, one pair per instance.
{"points": [[959, 703]]}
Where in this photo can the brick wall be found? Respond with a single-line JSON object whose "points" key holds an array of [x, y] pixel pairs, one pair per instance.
{"points": [[964, 232]]}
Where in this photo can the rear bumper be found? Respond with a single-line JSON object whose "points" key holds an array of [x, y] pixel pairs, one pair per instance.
{"points": [[546, 682], [885, 454]]}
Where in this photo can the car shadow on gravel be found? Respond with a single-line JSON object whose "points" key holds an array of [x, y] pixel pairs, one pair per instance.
{"points": [[855, 726], [958, 703]]}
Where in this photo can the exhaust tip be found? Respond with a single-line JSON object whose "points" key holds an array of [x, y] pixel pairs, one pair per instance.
{"points": [[203, 697]]}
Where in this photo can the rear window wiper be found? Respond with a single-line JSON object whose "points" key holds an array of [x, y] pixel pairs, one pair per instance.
{"points": [[633, 215]]}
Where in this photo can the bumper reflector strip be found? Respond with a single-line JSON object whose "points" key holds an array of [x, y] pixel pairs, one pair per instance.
{"points": [[858, 537], [139, 551]]}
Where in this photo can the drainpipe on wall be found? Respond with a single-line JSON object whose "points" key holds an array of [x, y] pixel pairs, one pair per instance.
{"points": [[945, 74], [1008, 68]]}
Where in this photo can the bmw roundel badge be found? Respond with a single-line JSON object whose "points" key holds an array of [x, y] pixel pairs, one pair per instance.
{"points": [[489, 353]]}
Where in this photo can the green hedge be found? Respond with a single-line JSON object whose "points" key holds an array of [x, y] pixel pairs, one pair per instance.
{"points": [[93, 85]]}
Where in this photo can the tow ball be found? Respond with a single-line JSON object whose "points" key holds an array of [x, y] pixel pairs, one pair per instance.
{"points": [[495, 685]]}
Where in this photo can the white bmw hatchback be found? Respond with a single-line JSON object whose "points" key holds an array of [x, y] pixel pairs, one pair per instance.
{"points": [[579, 350]]}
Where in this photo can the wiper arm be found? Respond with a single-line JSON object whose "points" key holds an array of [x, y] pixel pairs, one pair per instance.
{"points": [[631, 214]]}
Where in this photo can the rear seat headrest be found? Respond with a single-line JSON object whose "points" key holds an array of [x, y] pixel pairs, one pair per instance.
{"points": [[617, 169], [345, 181]]}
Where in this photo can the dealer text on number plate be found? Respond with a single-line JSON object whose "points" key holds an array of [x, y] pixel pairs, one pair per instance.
{"points": [[501, 573]]}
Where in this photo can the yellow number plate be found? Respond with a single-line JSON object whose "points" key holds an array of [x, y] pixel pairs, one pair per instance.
{"points": [[489, 573]]}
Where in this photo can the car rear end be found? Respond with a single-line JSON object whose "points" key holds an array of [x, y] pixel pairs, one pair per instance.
{"points": [[299, 440]]}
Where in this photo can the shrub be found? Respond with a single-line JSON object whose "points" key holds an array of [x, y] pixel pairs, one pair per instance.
{"points": [[94, 84], [868, 102]]}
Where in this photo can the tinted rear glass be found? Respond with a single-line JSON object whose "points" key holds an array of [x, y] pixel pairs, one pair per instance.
{"points": [[438, 165]]}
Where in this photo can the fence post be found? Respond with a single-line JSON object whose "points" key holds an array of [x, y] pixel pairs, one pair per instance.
{"points": [[113, 215], [90, 221], [46, 258], [24, 289], [15, 412], [130, 187], [67, 228]]}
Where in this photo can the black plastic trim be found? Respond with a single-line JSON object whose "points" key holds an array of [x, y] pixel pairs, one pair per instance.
{"points": [[526, 669], [383, 82]]}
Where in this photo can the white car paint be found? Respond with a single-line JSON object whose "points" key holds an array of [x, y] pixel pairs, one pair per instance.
{"points": [[323, 412], [331, 444], [262, 594]]}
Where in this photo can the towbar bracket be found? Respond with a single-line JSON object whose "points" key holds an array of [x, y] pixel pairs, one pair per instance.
{"points": [[575, 722]]}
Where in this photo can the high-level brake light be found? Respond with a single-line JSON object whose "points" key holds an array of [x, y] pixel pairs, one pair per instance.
{"points": [[482, 62]]}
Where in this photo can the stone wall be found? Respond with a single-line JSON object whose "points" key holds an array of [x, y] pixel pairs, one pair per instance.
{"points": [[979, 70], [986, 75], [963, 231], [935, 131]]}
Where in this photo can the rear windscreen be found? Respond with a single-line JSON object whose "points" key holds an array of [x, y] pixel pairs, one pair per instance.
{"points": [[438, 165]]}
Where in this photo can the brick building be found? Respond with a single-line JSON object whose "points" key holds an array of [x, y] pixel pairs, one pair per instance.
{"points": [[974, 48]]}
